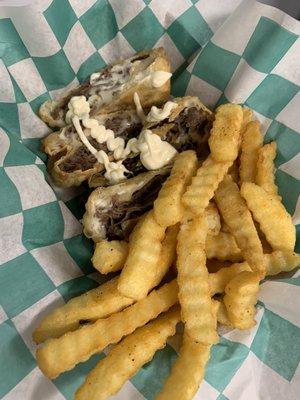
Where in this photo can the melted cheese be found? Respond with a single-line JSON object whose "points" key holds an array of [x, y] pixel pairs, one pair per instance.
{"points": [[118, 74], [159, 78]]}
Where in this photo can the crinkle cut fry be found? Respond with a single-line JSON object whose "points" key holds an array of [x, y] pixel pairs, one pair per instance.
{"points": [[194, 292], [110, 256], [203, 186], [187, 371], [189, 368], [139, 273], [62, 354], [106, 300], [213, 219], [90, 306], [276, 262], [218, 280], [168, 209], [281, 261], [222, 315], [265, 172], [222, 247], [102, 301], [252, 141], [240, 299], [127, 357], [236, 215], [224, 140], [234, 171], [274, 221]]}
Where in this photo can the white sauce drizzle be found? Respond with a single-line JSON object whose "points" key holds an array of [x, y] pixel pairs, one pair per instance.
{"points": [[77, 106], [157, 114], [138, 106], [154, 152], [114, 171], [82, 136], [115, 144]]}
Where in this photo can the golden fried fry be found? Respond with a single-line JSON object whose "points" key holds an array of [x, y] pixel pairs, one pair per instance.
{"points": [[224, 137], [194, 291], [222, 247], [141, 267], [276, 262], [200, 192], [219, 279], [275, 222], [187, 371], [62, 354], [189, 368], [234, 171], [265, 245], [247, 117], [222, 315], [281, 261], [240, 299], [224, 227], [265, 173], [168, 209], [168, 253], [127, 357], [100, 302], [213, 265], [90, 306], [110, 256], [212, 219], [238, 218], [252, 141]]}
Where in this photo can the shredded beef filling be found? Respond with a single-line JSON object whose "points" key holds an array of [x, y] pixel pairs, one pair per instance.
{"points": [[82, 159], [190, 131], [105, 83], [134, 166], [120, 214], [114, 123], [123, 128], [70, 131]]}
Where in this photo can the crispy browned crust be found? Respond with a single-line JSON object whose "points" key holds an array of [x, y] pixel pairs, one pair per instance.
{"points": [[148, 95], [59, 151], [68, 179]]}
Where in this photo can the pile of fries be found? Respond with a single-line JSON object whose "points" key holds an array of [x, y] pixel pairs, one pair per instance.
{"points": [[220, 227]]}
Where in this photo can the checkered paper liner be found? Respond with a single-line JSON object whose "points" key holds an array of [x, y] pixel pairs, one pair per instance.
{"points": [[253, 57]]}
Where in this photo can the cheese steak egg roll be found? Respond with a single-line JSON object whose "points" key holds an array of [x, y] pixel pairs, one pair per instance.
{"points": [[112, 88], [71, 162]]}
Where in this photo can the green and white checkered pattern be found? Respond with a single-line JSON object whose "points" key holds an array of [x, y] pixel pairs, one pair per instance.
{"points": [[252, 58]]}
